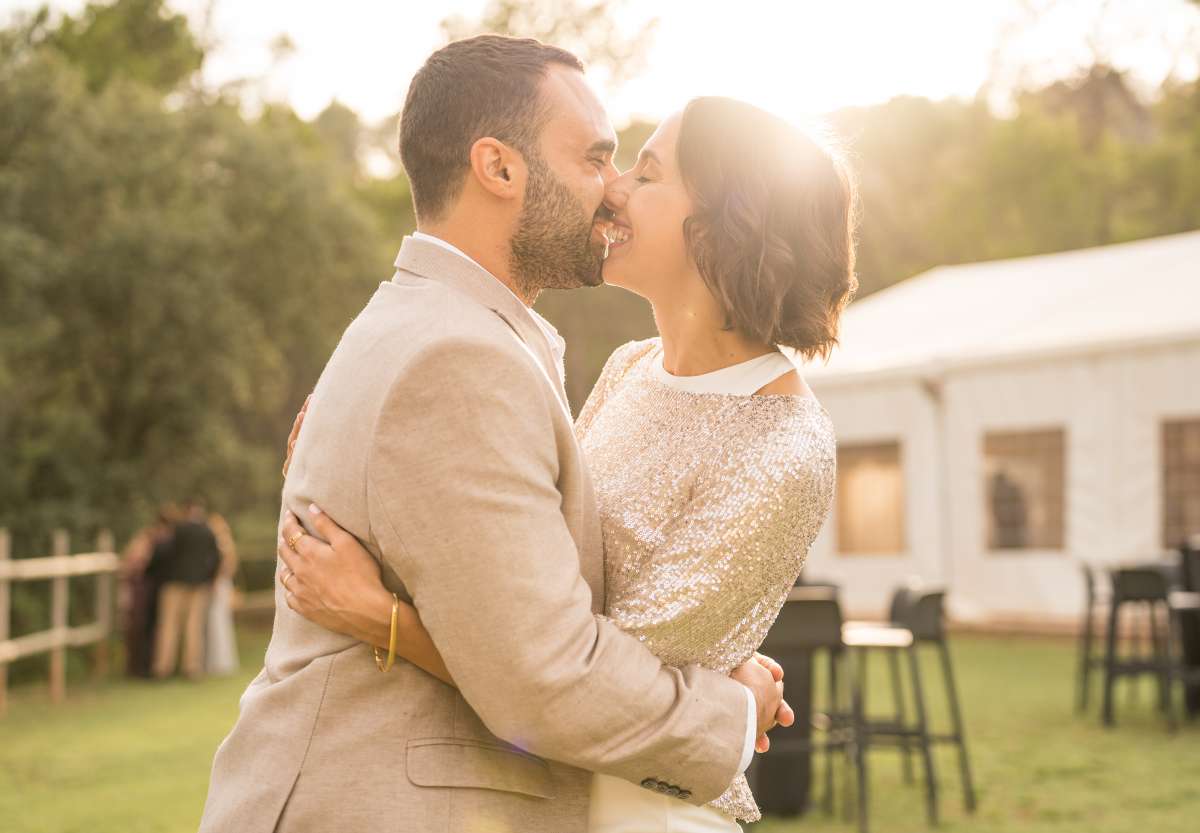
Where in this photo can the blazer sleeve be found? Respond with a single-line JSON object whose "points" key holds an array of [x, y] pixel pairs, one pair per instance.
{"points": [[463, 501]]}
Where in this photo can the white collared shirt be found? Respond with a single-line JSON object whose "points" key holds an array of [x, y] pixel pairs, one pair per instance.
{"points": [[558, 346]]}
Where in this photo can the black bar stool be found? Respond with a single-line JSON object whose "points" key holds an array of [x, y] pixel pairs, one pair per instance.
{"points": [[920, 615], [1096, 595], [1145, 588], [897, 615], [926, 618], [863, 638]]}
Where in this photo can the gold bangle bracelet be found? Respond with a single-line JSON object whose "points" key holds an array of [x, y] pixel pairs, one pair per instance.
{"points": [[380, 663]]}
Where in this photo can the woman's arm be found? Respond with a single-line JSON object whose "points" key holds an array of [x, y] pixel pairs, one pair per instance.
{"points": [[137, 553], [338, 586], [229, 560], [737, 546]]}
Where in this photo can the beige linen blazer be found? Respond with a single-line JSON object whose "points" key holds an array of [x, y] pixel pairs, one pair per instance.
{"points": [[439, 435]]}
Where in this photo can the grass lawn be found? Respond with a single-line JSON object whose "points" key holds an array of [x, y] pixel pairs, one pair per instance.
{"points": [[133, 757], [130, 756]]}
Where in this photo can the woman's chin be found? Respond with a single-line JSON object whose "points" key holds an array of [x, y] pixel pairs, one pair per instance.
{"points": [[612, 273], [616, 274]]}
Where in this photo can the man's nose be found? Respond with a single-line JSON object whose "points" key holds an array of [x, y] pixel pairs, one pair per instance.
{"points": [[611, 174]]}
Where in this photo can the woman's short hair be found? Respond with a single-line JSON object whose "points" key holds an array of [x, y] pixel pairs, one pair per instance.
{"points": [[773, 229]]}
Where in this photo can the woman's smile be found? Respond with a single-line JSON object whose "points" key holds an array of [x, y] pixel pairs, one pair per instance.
{"points": [[617, 235]]}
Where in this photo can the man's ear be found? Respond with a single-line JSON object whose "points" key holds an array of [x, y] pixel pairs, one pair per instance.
{"points": [[498, 168]]}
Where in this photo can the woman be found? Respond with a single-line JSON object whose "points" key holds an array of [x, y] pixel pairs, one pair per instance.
{"points": [[713, 463], [138, 600], [220, 656]]}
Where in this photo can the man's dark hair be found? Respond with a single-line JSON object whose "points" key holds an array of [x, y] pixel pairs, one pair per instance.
{"points": [[469, 89]]}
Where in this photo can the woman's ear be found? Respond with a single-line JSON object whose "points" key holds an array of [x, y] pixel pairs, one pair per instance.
{"points": [[498, 168]]}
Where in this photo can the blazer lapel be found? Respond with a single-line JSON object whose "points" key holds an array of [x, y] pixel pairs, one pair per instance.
{"points": [[431, 261]]}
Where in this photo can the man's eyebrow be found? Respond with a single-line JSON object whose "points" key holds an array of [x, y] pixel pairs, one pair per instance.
{"points": [[603, 146]]}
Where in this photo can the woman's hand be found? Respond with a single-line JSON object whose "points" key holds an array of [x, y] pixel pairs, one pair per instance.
{"points": [[336, 585], [295, 435]]}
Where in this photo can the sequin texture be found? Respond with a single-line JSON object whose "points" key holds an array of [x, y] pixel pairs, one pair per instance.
{"points": [[709, 504]]}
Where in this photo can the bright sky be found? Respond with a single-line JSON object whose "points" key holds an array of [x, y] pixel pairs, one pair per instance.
{"points": [[796, 58]]}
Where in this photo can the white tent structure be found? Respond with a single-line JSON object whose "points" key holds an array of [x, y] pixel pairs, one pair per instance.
{"points": [[998, 422]]}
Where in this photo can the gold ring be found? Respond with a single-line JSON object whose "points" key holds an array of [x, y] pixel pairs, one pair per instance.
{"points": [[291, 542], [284, 580]]}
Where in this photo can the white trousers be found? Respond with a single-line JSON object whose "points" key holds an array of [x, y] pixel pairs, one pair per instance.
{"points": [[621, 807]]}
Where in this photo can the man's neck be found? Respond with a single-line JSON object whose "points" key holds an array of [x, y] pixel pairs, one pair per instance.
{"points": [[489, 251]]}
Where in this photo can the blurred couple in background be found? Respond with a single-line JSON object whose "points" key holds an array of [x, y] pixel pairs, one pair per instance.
{"points": [[177, 594], [566, 613]]}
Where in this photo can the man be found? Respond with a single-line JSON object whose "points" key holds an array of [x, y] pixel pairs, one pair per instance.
{"points": [[184, 567], [439, 435]]}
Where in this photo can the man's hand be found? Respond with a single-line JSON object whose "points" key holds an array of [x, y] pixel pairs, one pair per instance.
{"points": [[785, 716], [764, 677]]}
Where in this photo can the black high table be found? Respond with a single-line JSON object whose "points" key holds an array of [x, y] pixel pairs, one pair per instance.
{"points": [[782, 779], [1189, 576]]}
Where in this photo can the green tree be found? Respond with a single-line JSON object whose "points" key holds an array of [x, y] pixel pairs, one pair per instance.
{"points": [[340, 129], [139, 39], [172, 281], [1165, 179], [1083, 162], [906, 152], [586, 27]]}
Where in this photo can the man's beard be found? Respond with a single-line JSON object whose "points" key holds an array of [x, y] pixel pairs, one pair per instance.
{"points": [[552, 247]]}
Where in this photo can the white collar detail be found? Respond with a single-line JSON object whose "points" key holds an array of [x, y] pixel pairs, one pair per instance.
{"points": [[558, 346]]}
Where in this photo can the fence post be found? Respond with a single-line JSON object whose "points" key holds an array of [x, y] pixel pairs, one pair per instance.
{"points": [[104, 608], [5, 610], [59, 600]]}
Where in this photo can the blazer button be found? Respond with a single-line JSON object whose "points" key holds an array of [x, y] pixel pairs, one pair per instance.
{"points": [[673, 791], [649, 783], [685, 794], [664, 788]]}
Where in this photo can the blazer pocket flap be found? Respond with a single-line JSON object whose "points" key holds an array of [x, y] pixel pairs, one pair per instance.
{"points": [[458, 762]]}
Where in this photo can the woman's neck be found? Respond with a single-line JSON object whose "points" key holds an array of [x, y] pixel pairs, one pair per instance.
{"points": [[694, 341]]}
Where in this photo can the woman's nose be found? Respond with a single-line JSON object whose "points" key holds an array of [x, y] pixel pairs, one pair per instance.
{"points": [[617, 192]]}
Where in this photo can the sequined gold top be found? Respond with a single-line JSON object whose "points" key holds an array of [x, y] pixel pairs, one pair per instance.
{"points": [[709, 503]]}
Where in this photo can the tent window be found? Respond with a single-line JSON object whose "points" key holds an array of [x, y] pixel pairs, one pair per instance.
{"points": [[1024, 489], [870, 499], [1181, 480]]}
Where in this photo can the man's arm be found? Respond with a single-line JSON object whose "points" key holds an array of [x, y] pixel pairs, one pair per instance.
{"points": [[464, 504]]}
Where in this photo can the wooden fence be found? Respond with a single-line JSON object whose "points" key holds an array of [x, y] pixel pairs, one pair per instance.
{"points": [[59, 569]]}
